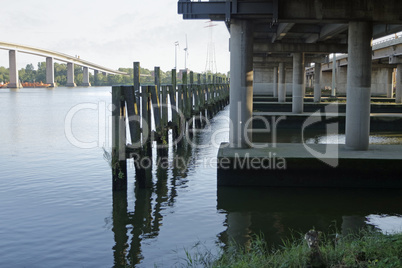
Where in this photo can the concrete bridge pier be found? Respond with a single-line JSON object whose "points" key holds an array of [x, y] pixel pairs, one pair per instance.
{"points": [[398, 90], [333, 88], [241, 83], [70, 75], [298, 83], [390, 90], [282, 82], [14, 80], [275, 83], [85, 78], [358, 85], [50, 72], [317, 82]]}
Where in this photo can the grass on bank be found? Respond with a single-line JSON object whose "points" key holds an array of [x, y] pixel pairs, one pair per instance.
{"points": [[366, 249]]}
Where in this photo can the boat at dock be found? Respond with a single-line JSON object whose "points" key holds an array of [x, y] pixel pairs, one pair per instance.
{"points": [[35, 84]]}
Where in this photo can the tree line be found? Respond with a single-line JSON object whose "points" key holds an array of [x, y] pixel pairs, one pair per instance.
{"points": [[30, 74]]}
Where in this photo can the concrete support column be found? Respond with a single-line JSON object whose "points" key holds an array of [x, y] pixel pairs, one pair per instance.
{"points": [[317, 82], [390, 92], [70, 75], [50, 71], [241, 83], [398, 91], [14, 80], [333, 88], [304, 81], [358, 85], [85, 77], [298, 83], [282, 83], [275, 83]]}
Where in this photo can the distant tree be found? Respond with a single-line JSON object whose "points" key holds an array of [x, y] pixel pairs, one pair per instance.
{"points": [[28, 74], [60, 74], [41, 73], [4, 75]]}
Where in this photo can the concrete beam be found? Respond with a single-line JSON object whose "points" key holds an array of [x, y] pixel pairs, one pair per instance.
{"points": [[327, 31], [324, 11], [380, 30], [272, 59], [281, 31], [260, 65], [317, 59], [224, 10], [317, 48], [395, 59], [295, 11]]}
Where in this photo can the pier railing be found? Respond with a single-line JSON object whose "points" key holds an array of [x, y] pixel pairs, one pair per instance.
{"points": [[179, 108]]}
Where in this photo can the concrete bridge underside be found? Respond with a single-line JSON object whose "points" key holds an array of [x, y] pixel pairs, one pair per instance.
{"points": [[283, 36]]}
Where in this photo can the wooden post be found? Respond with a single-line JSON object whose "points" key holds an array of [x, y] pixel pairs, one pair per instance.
{"points": [[157, 112], [175, 118], [164, 107], [174, 100], [143, 161], [146, 119], [180, 107], [137, 84], [191, 99], [213, 88], [157, 74], [118, 161], [133, 116], [197, 102], [186, 97]]}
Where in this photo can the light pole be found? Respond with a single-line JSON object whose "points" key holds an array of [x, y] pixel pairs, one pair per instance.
{"points": [[176, 44]]}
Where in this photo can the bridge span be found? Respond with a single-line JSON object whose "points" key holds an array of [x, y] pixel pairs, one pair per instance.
{"points": [[50, 57]]}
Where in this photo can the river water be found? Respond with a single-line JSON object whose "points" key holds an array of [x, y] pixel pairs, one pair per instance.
{"points": [[57, 208]]}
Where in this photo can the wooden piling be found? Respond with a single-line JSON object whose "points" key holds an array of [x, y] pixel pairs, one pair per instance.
{"points": [[157, 113], [133, 116], [118, 161], [144, 158], [193, 100]]}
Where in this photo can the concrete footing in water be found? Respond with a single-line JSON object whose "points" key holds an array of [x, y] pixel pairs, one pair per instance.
{"points": [[311, 165], [378, 121]]}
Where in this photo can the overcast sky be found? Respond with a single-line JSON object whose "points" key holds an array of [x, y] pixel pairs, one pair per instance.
{"points": [[111, 33]]}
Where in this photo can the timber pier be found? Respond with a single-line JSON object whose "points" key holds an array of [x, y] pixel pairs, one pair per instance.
{"points": [[176, 111]]}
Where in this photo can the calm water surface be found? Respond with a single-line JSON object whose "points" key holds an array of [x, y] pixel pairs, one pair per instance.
{"points": [[57, 208]]}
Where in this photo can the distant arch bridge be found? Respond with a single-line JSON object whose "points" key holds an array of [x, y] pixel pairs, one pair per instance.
{"points": [[50, 57]]}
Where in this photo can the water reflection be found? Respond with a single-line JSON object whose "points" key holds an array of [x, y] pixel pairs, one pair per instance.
{"points": [[133, 226], [277, 213]]}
